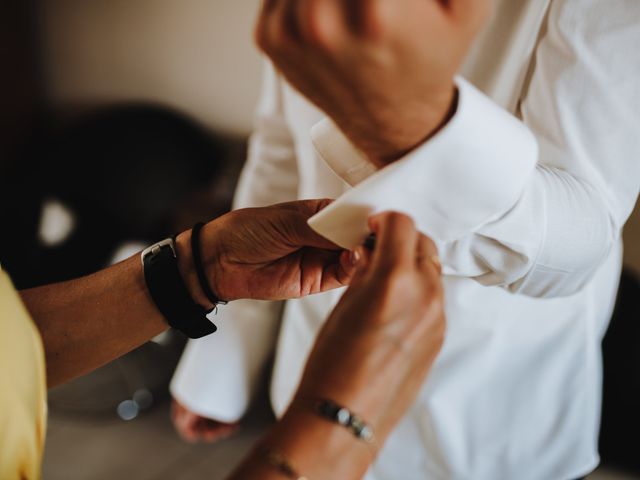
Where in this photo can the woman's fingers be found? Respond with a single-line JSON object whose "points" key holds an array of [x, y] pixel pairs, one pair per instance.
{"points": [[427, 254], [396, 239]]}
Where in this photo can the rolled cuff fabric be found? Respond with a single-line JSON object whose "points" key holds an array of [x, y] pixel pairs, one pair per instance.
{"points": [[218, 375], [472, 172]]}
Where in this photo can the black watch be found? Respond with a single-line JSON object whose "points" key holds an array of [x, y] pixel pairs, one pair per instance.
{"points": [[170, 294]]}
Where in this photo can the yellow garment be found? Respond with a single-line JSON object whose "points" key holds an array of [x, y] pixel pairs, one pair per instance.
{"points": [[22, 389]]}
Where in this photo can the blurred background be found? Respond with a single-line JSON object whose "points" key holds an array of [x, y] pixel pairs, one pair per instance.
{"points": [[122, 122]]}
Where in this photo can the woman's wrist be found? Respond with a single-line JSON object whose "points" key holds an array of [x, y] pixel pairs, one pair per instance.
{"points": [[316, 447], [188, 271]]}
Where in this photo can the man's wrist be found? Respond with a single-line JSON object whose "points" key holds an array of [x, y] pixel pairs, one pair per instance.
{"points": [[405, 137]]}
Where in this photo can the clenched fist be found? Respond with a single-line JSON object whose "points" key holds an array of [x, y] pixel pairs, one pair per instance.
{"points": [[381, 69]]}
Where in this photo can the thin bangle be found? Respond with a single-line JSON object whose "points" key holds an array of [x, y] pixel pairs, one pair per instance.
{"points": [[196, 253], [280, 463]]}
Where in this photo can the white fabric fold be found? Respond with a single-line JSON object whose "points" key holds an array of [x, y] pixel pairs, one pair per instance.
{"points": [[245, 337]]}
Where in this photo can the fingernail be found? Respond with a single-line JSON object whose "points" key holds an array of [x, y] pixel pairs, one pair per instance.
{"points": [[354, 257]]}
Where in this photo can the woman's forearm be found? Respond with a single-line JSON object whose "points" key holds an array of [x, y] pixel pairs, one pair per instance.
{"points": [[86, 323]]}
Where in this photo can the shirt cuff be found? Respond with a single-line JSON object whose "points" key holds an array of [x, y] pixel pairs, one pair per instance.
{"points": [[470, 173], [218, 375]]}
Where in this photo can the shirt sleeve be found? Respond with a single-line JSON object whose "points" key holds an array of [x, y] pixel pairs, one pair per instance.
{"points": [[270, 174], [218, 375], [535, 205]]}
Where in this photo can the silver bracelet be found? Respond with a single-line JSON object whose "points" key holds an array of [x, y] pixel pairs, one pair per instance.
{"points": [[343, 416]]}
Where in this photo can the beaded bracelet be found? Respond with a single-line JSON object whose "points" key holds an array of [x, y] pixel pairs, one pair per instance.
{"points": [[342, 416]]}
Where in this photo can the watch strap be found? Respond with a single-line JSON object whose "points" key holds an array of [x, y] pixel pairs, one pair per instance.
{"points": [[170, 294]]}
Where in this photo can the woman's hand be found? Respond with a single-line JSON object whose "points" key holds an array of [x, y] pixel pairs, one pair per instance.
{"points": [[379, 343], [372, 356], [266, 253]]}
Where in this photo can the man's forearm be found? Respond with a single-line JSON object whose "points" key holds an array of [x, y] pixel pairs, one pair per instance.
{"points": [[88, 322]]}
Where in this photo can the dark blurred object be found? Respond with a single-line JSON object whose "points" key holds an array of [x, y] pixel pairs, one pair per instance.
{"points": [[21, 90], [132, 166], [126, 173], [619, 445], [22, 119]]}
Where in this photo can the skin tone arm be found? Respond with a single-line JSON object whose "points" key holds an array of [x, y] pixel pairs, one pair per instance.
{"points": [[371, 356], [267, 253]]}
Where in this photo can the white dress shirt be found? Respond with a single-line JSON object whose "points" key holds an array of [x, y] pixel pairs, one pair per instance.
{"points": [[525, 192]]}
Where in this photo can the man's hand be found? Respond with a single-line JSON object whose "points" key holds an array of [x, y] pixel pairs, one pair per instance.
{"points": [[195, 428], [266, 254], [381, 69]]}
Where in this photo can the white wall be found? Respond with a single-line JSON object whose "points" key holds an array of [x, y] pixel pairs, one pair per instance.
{"points": [[196, 55]]}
